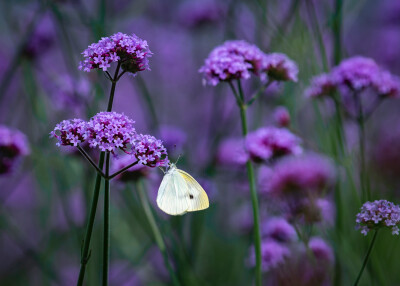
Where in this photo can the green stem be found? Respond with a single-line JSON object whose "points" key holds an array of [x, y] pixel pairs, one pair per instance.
{"points": [[85, 255], [113, 85], [366, 258], [156, 231], [106, 233], [252, 183], [337, 31], [85, 252]]}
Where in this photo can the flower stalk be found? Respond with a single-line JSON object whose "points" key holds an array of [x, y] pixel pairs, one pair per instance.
{"points": [[366, 258], [106, 233], [252, 182]]}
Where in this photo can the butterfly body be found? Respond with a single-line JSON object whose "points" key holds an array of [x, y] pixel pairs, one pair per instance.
{"points": [[180, 193]]}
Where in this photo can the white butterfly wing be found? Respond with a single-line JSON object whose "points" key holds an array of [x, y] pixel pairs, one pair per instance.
{"points": [[171, 197], [196, 197]]}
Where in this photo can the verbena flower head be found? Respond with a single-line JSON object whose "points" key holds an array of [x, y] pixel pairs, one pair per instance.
{"points": [[302, 175], [13, 146], [110, 131], [231, 152], [149, 151], [321, 85], [282, 116], [321, 249], [273, 254], [230, 61], [270, 142], [70, 132], [279, 67], [131, 51], [279, 229], [132, 174], [355, 74], [378, 214]]}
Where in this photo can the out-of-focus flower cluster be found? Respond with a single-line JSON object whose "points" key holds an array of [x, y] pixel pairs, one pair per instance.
{"points": [[239, 59], [129, 50], [355, 74], [13, 146], [111, 131], [378, 214], [271, 142]]}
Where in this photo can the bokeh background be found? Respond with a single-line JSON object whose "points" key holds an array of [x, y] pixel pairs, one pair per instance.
{"points": [[44, 198]]}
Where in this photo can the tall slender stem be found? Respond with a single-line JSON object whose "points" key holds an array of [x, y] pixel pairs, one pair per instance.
{"points": [[113, 85], [337, 31], [252, 184], [85, 255], [156, 231], [106, 230], [366, 258]]}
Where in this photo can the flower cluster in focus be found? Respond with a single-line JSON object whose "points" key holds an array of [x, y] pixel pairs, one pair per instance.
{"points": [[239, 59], [149, 151], [13, 146], [131, 51], [355, 74], [377, 214], [111, 131]]}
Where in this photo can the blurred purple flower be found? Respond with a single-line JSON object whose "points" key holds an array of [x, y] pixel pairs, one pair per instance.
{"points": [[173, 138], [13, 146], [70, 132], [110, 131], [132, 52], [279, 229], [231, 152], [302, 175], [230, 61], [279, 67], [321, 250], [321, 85], [377, 214], [282, 116], [132, 174], [355, 74], [198, 13], [271, 142], [41, 40], [149, 151], [273, 254], [327, 211]]}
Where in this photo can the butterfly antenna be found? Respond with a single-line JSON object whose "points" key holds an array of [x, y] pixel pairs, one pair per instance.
{"points": [[178, 159]]}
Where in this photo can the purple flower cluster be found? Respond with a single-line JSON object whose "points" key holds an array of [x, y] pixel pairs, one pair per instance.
{"points": [[282, 116], [279, 229], [273, 254], [231, 152], [149, 151], [301, 175], [131, 51], [70, 132], [238, 59], [13, 146], [322, 251], [356, 74], [110, 131], [377, 214], [197, 13], [279, 67], [270, 142]]}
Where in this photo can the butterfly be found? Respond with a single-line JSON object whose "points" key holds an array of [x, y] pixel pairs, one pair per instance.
{"points": [[180, 193]]}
